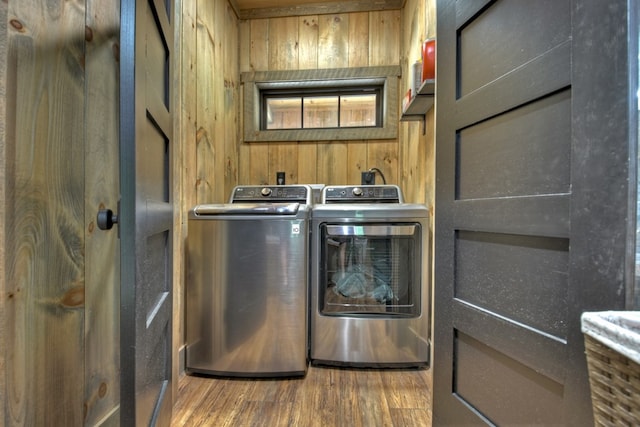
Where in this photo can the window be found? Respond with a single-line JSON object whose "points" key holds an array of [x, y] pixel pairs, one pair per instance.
{"points": [[358, 106], [332, 104]]}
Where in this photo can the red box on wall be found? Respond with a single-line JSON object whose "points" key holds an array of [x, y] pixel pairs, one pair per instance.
{"points": [[429, 59]]}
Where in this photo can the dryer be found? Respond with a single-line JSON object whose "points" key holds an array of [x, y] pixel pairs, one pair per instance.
{"points": [[370, 295]]}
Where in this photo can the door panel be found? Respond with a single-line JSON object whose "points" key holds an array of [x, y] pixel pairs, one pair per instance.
{"points": [[486, 278], [503, 388], [516, 153], [146, 213], [506, 36], [515, 206]]}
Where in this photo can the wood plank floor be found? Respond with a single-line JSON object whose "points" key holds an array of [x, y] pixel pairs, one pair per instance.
{"points": [[324, 397]]}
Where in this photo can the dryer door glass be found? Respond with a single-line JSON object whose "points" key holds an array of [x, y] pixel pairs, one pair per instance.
{"points": [[370, 269]]}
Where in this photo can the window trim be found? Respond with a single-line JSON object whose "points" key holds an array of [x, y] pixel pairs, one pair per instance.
{"points": [[253, 82]]}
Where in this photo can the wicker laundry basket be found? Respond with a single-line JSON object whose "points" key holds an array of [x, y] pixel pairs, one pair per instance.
{"points": [[612, 343]]}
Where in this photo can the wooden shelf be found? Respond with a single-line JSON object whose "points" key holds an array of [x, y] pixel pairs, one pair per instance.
{"points": [[417, 109]]}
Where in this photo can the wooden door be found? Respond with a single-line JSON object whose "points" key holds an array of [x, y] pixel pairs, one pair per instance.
{"points": [[146, 212], [531, 204]]}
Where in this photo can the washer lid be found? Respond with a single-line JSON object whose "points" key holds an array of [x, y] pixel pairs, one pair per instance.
{"points": [[247, 209]]}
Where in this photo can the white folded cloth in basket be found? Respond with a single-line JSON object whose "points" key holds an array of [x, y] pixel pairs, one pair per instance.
{"points": [[618, 330]]}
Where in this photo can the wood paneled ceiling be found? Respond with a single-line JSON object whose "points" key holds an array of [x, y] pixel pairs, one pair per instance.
{"points": [[261, 4], [255, 9]]}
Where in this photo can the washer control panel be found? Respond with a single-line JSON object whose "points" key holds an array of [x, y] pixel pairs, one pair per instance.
{"points": [[271, 194], [362, 194]]}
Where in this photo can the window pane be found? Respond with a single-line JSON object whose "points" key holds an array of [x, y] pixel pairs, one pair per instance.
{"points": [[321, 112], [357, 110], [284, 113]]}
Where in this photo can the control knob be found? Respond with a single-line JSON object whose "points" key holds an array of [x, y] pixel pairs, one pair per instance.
{"points": [[266, 191], [357, 191]]}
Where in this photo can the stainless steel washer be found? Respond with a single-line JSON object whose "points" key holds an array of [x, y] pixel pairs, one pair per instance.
{"points": [[369, 281], [247, 289]]}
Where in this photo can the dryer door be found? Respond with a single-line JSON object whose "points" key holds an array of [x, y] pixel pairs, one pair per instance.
{"points": [[370, 268]]}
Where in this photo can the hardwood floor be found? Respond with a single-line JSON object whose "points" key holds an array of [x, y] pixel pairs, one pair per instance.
{"points": [[324, 397]]}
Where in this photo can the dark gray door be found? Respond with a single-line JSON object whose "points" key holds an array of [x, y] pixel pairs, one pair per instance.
{"points": [[531, 203], [146, 212]]}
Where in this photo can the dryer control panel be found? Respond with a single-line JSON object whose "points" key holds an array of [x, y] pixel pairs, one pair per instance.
{"points": [[362, 194]]}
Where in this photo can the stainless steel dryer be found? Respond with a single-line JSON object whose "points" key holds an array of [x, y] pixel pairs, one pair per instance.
{"points": [[247, 288], [370, 291]]}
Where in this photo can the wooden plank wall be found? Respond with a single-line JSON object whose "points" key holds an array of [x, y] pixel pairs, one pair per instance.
{"points": [[47, 132], [313, 42], [417, 139], [101, 189], [217, 106], [356, 39], [45, 231], [3, 212], [61, 296], [184, 162]]}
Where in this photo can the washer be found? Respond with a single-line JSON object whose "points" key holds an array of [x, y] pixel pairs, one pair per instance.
{"points": [[247, 289], [369, 279]]}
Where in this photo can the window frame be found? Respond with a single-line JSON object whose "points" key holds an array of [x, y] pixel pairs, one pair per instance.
{"points": [[255, 82]]}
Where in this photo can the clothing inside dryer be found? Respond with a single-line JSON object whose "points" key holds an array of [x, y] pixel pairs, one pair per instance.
{"points": [[370, 274]]}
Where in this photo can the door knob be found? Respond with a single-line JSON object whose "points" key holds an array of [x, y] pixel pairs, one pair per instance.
{"points": [[106, 219]]}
